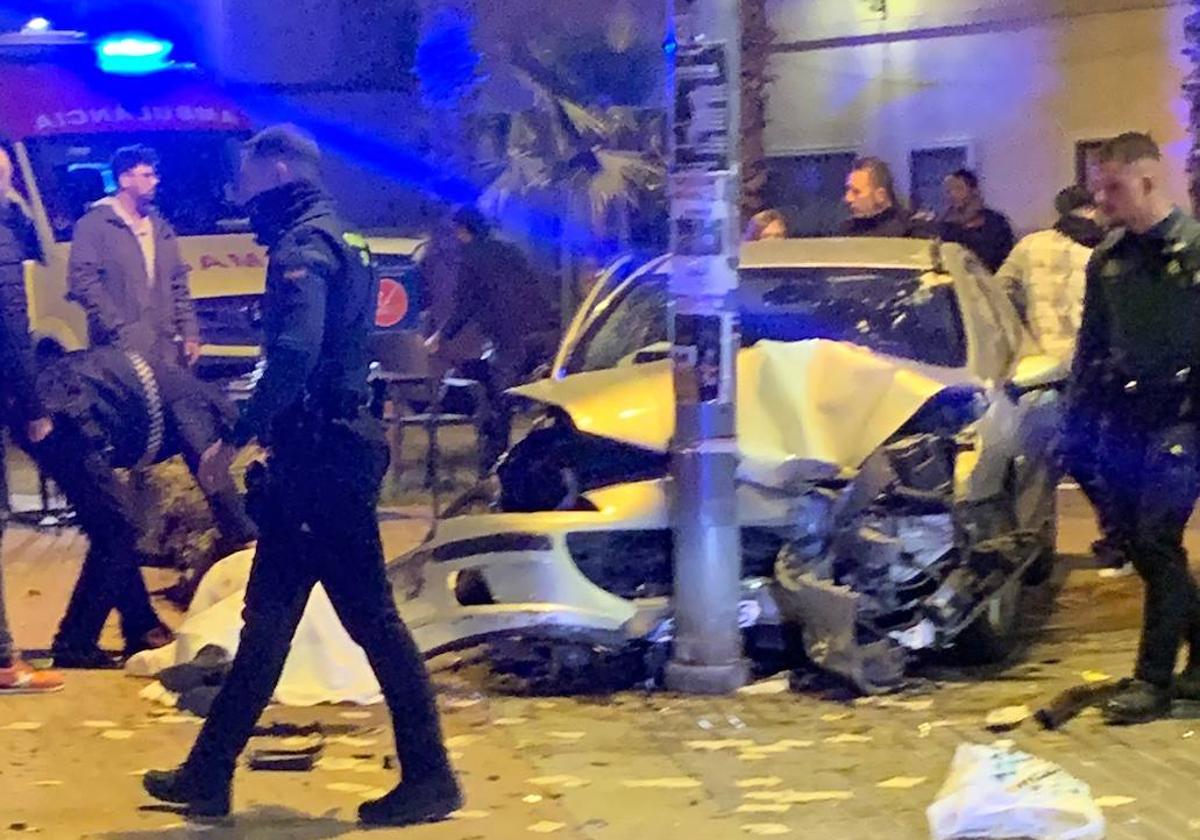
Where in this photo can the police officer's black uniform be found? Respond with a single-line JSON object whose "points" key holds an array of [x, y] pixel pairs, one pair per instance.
{"points": [[114, 409], [315, 504], [1137, 370]]}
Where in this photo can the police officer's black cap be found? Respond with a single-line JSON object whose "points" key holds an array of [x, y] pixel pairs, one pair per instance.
{"points": [[131, 157], [1074, 197]]}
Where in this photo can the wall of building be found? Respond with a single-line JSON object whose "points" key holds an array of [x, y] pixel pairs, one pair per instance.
{"points": [[1020, 83]]}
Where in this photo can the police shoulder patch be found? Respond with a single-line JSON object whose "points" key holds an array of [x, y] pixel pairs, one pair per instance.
{"points": [[354, 240]]}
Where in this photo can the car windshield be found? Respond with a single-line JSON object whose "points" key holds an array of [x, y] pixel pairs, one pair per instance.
{"points": [[899, 312], [197, 169]]}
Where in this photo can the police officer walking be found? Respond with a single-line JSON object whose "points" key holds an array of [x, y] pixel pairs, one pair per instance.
{"points": [[315, 500], [1137, 369]]}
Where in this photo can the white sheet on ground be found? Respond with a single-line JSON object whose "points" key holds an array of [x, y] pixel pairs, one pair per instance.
{"points": [[323, 666]]}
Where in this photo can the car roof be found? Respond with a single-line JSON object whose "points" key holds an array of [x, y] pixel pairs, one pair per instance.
{"points": [[864, 252]]}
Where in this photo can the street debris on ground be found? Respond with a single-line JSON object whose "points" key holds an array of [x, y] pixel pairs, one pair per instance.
{"points": [[997, 791]]}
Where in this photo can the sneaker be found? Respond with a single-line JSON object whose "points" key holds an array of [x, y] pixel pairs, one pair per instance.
{"points": [[182, 787], [1140, 702], [209, 668], [1111, 559], [411, 803], [23, 678]]}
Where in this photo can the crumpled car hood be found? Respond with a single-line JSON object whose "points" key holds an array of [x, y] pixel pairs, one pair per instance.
{"points": [[802, 407]]}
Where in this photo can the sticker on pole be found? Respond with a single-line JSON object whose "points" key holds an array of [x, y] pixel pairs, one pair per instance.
{"points": [[702, 122], [704, 234]]}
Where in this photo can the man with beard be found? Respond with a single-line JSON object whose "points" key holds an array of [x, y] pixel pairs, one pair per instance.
{"points": [[126, 271], [970, 223]]}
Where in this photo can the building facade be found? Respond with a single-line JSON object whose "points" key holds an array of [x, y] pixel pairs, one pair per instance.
{"points": [[1020, 90]]}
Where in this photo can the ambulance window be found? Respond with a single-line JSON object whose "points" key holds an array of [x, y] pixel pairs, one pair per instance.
{"points": [[196, 170]]}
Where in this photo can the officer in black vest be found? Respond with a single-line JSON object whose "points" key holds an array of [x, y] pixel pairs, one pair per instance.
{"points": [[315, 499], [1137, 369]]}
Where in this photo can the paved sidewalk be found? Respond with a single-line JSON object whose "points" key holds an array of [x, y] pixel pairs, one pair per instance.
{"points": [[627, 766]]}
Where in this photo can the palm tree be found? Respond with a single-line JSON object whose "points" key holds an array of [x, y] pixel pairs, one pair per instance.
{"points": [[757, 38], [1191, 88], [588, 169]]}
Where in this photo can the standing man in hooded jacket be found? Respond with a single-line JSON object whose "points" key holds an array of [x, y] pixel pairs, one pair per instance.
{"points": [[126, 270]]}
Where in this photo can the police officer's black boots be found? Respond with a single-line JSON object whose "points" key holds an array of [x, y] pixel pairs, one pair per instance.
{"points": [[201, 796], [1139, 702], [409, 803]]}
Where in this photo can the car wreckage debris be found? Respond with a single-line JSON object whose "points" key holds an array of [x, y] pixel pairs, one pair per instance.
{"points": [[900, 567]]}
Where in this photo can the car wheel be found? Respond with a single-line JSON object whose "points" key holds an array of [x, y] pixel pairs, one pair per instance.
{"points": [[991, 636]]}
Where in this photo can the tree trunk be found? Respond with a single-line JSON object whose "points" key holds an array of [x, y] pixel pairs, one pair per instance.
{"points": [[757, 38], [1191, 88]]}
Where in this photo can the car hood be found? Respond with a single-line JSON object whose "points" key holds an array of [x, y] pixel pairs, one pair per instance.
{"points": [[805, 410]]}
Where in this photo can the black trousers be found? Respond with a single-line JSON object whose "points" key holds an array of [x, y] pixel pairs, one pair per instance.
{"points": [[503, 371], [111, 577], [315, 508], [1081, 459], [1150, 478]]}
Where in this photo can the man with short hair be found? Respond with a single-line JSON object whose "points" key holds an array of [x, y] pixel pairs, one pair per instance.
{"points": [[1138, 361], [875, 210], [315, 500], [967, 221], [126, 270]]}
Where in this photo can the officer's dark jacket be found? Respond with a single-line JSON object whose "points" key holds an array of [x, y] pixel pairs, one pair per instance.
{"points": [[892, 222], [1141, 312], [318, 310], [106, 274], [18, 242], [113, 396]]}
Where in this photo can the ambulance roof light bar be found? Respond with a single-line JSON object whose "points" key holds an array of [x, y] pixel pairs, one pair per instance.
{"points": [[133, 54]]}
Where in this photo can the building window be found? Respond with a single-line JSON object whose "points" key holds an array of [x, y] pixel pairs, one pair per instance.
{"points": [[808, 189], [1086, 163], [928, 169]]}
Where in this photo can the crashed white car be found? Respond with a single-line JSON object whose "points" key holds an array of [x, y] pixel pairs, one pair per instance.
{"points": [[895, 484]]}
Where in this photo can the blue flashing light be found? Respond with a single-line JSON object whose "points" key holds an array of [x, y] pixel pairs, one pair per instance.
{"points": [[37, 24], [133, 54]]}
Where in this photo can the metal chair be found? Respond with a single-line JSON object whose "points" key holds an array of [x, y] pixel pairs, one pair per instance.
{"points": [[404, 374]]}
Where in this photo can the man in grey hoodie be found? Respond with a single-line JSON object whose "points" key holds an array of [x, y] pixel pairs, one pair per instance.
{"points": [[126, 270]]}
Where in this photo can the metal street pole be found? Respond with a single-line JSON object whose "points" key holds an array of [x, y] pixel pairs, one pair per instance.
{"points": [[704, 41]]}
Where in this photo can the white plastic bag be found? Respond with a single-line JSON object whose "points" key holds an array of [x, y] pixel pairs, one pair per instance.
{"points": [[994, 791]]}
